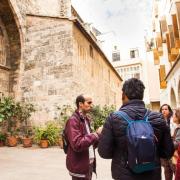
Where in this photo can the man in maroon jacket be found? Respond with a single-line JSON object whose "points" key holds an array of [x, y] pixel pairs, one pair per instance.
{"points": [[80, 160]]}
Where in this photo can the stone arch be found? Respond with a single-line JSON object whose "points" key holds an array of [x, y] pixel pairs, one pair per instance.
{"points": [[173, 99], [10, 45]]}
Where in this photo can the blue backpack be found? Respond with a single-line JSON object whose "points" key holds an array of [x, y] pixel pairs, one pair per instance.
{"points": [[141, 143]]}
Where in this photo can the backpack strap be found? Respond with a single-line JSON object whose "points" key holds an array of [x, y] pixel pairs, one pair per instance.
{"points": [[146, 115], [124, 116]]}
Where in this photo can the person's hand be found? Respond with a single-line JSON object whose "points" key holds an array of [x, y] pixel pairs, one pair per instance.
{"points": [[99, 130]]}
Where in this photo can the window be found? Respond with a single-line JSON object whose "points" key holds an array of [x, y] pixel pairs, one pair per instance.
{"points": [[116, 56], [91, 51], [162, 75], [2, 49], [134, 53]]}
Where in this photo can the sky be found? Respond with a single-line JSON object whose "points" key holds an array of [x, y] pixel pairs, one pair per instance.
{"points": [[122, 22]]}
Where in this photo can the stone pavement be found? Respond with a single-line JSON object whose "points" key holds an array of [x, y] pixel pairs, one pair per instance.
{"points": [[18, 163]]}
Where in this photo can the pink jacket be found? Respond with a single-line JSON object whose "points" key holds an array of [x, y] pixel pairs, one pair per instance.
{"points": [[77, 160]]}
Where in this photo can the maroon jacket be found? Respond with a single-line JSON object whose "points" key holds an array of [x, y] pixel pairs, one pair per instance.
{"points": [[77, 160]]}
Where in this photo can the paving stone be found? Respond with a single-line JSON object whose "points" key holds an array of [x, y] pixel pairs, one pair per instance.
{"points": [[18, 163]]}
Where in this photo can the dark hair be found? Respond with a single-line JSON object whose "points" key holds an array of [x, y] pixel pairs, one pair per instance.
{"points": [[177, 114], [133, 88], [169, 108], [79, 99]]}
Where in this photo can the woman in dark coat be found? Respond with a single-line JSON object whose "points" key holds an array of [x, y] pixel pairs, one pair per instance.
{"points": [[167, 113]]}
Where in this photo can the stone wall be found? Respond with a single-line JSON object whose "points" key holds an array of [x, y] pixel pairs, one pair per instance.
{"points": [[92, 74], [47, 64], [51, 61], [4, 82], [51, 8]]}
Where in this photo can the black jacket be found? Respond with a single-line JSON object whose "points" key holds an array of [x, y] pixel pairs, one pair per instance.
{"points": [[112, 144]]}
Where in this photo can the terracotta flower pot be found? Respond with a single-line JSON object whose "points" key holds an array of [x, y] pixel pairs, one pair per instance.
{"points": [[12, 141], [27, 142], [44, 144]]}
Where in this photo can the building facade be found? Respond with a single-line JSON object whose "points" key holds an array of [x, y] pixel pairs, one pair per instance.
{"points": [[116, 55], [130, 70], [136, 67], [47, 57], [166, 25]]}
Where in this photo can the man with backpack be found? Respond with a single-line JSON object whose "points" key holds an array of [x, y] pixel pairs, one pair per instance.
{"points": [[135, 138], [80, 160]]}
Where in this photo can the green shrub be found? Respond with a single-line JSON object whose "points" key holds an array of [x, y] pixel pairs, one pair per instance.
{"points": [[24, 112], [8, 113], [2, 137], [48, 132], [99, 115], [7, 108], [64, 113], [14, 113]]}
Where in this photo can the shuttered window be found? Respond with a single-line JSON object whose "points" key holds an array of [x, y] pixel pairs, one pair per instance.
{"points": [[156, 57], [178, 13], [158, 40], [171, 36], [175, 26], [162, 76], [168, 43], [163, 24]]}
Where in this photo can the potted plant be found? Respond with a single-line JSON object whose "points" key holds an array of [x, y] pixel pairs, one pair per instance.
{"points": [[40, 137], [47, 135], [2, 139], [27, 138], [8, 116], [64, 113], [24, 113]]}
